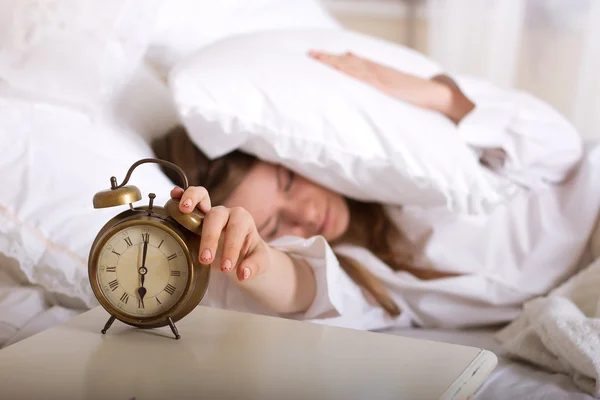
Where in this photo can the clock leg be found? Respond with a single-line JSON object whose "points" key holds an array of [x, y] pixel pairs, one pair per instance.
{"points": [[108, 323], [173, 328]]}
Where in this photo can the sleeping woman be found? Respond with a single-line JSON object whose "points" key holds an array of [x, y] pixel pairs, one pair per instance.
{"points": [[282, 245]]}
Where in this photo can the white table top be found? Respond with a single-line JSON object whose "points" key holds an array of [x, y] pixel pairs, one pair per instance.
{"points": [[230, 355]]}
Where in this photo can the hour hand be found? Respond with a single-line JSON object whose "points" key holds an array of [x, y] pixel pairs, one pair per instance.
{"points": [[142, 293]]}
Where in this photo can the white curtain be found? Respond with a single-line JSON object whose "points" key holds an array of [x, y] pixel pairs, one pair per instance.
{"points": [[550, 48]]}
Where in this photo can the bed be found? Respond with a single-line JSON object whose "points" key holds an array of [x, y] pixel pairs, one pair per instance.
{"points": [[510, 379]]}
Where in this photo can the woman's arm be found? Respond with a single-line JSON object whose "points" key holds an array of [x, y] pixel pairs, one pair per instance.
{"points": [[451, 101], [517, 135], [288, 286]]}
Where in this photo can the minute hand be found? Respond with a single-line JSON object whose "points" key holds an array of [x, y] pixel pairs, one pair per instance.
{"points": [[143, 268], [142, 271]]}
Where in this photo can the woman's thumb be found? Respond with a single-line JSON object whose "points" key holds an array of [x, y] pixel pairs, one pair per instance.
{"points": [[255, 262]]}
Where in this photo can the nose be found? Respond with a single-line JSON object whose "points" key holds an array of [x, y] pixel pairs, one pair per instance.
{"points": [[304, 214]]}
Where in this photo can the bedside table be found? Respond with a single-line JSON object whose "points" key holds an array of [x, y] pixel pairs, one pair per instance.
{"points": [[231, 355]]}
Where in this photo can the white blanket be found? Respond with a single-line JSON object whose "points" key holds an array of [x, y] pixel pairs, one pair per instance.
{"points": [[561, 332], [26, 309]]}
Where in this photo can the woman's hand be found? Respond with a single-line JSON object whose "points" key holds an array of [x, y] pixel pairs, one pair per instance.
{"points": [[438, 94], [230, 240]]}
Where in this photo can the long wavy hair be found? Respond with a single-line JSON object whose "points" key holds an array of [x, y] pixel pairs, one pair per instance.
{"points": [[370, 226]]}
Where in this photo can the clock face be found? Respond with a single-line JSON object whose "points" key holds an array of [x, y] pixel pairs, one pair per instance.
{"points": [[137, 285]]}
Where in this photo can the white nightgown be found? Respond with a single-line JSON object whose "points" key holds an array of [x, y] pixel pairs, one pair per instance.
{"points": [[521, 249]]}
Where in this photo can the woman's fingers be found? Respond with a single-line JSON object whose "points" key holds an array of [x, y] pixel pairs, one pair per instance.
{"points": [[315, 54], [212, 226], [229, 237], [176, 192], [236, 241], [193, 196], [252, 263], [347, 63], [232, 233], [329, 59]]}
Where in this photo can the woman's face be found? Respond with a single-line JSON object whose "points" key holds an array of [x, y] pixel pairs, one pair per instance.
{"points": [[283, 203]]}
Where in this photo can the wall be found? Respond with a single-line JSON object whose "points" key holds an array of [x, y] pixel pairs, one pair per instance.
{"points": [[387, 19], [549, 61]]}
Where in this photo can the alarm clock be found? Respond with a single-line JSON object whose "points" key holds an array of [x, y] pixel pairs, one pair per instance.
{"points": [[143, 265]]}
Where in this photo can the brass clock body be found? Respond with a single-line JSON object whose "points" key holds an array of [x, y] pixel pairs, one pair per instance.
{"points": [[143, 265], [175, 280]]}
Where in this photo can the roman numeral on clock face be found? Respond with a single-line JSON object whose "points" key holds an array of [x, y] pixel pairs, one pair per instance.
{"points": [[175, 273], [113, 284], [145, 237], [172, 256], [125, 298], [128, 241], [170, 289], [111, 269], [140, 303]]}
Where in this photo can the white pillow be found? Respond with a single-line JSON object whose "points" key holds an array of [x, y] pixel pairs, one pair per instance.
{"points": [[261, 93], [54, 159], [74, 51], [143, 105], [184, 26]]}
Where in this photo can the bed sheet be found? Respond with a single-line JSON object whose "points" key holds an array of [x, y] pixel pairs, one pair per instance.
{"points": [[25, 310], [510, 379]]}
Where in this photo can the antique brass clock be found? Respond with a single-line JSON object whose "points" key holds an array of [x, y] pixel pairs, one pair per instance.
{"points": [[143, 265]]}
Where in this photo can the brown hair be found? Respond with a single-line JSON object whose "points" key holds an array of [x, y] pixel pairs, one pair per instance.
{"points": [[370, 226], [231, 168]]}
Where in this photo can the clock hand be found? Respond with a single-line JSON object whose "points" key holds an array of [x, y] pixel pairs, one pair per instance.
{"points": [[142, 293], [142, 271]]}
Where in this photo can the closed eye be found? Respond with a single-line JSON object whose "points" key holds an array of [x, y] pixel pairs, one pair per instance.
{"points": [[290, 180], [287, 183], [273, 232]]}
